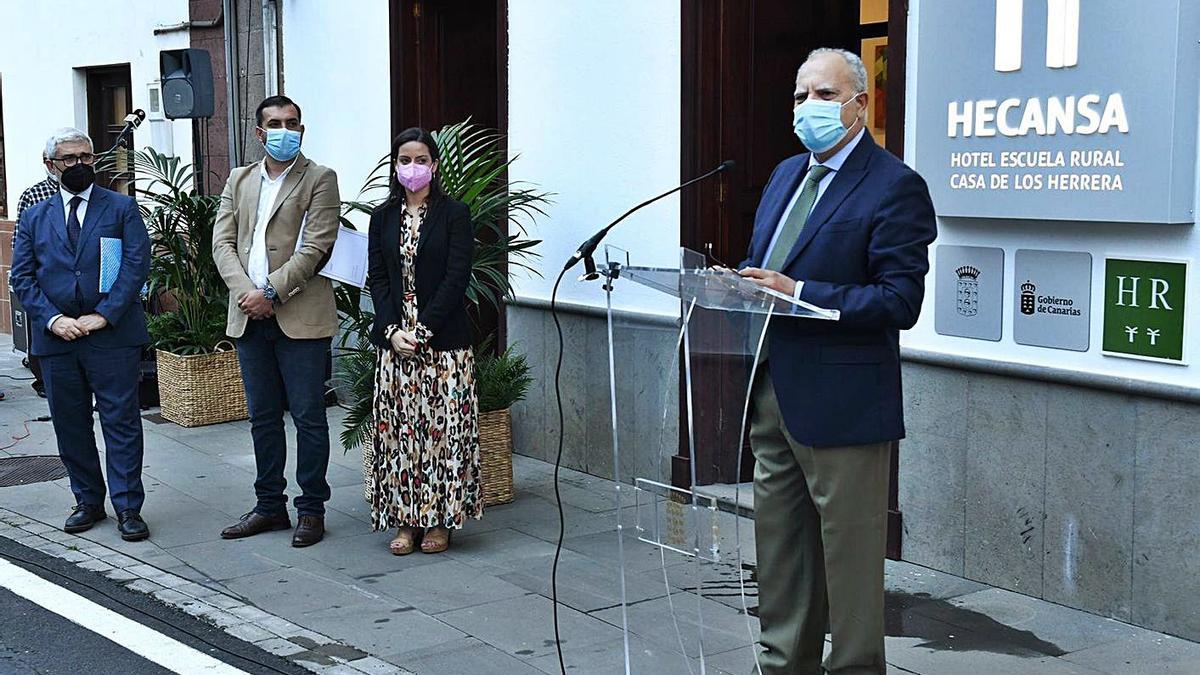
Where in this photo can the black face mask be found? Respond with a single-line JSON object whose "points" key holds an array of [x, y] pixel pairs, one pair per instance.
{"points": [[78, 178]]}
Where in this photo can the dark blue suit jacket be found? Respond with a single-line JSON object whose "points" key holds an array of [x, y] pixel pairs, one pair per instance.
{"points": [[50, 279], [864, 251]]}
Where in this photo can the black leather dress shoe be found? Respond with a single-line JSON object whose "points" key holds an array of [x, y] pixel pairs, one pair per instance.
{"points": [[83, 517], [256, 523], [309, 530], [131, 526]]}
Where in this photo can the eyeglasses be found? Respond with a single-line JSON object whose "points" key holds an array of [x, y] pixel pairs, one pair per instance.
{"points": [[71, 160]]}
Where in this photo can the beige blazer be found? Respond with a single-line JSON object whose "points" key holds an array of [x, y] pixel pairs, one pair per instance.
{"points": [[305, 308]]}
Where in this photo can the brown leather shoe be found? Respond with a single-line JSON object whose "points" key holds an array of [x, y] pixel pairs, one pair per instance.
{"points": [[309, 530], [256, 523]]}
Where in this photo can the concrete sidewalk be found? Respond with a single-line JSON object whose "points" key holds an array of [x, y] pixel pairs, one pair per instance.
{"points": [[347, 606]]}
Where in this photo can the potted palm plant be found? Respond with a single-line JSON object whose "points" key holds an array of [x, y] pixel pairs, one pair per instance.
{"points": [[199, 380], [473, 168], [500, 380]]}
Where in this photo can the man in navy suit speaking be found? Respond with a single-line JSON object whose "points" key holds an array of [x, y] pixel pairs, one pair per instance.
{"points": [[79, 262], [846, 226]]}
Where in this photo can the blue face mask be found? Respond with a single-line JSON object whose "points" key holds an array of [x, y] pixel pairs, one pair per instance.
{"points": [[819, 123], [282, 144]]}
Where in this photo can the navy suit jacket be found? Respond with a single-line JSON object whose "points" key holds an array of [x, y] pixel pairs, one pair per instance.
{"points": [[863, 251], [50, 279]]}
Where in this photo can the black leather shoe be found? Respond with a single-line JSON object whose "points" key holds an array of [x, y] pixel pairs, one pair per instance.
{"points": [[83, 517], [131, 526], [309, 530], [256, 523]]}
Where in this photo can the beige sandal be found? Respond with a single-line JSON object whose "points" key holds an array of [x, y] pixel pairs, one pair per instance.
{"points": [[436, 540], [401, 544]]}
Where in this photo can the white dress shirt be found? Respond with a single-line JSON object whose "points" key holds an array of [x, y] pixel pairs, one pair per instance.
{"points": [[257, 267], [80, 213], [834, 164]]}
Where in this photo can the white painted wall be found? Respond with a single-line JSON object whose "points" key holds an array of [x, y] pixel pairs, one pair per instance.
{"points": [[335, 65], [42, 46], [594, 91], [1101, 239]]}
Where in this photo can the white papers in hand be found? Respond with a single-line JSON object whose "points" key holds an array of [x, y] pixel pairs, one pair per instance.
{"points": [[348, 259]]}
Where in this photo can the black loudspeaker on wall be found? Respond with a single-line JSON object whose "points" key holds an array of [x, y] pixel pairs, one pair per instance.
{"points": [[187, 83]]}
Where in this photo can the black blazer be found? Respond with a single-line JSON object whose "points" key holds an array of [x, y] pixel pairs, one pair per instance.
{"points": [[444, 253]]}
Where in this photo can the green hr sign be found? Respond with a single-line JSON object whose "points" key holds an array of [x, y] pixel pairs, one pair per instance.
{"points": [[1143, 308]]}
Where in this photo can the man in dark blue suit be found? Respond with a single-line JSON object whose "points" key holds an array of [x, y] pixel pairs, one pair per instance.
{"points": [[88, 327], [844, 227]]}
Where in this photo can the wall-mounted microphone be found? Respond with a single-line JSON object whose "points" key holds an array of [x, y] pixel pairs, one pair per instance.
{"points": [[587, 248]]}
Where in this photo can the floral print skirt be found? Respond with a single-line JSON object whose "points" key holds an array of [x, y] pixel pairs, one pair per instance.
{"points": [[424, 468]]}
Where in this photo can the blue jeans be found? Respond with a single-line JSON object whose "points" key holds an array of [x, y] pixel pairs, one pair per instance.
{"points": [[277, 368], [111, 375]]}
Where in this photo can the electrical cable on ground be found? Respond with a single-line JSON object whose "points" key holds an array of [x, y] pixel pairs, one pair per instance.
{"points": [[18, 439], [557, 464], [142, 612]]}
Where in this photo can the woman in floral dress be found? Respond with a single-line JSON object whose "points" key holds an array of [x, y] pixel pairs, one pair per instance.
{"points": [[424, 472]]}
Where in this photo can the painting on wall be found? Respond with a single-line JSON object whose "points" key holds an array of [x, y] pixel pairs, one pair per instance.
{"points": [[874, 56]]}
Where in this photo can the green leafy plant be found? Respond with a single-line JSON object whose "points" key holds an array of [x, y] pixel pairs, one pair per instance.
{"points": [[355, 359], [500, 379], [184, 281], [472, 168]]}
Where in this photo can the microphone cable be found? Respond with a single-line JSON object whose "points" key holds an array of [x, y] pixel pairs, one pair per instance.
{"points": [[557, 465]]}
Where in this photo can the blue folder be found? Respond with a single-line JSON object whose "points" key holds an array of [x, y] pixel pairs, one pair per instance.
{"points": [[110, 262]]}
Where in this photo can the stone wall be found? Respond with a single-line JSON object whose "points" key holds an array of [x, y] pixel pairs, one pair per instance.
{"points": [[1083, 497], [249, 89], [645, 380], [216, 151], [6, 237]]}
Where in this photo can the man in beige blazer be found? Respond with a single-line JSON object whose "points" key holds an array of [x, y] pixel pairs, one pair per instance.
{"points": [[276, 226]]}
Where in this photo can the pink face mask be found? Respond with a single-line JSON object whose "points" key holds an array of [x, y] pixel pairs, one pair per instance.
{"points": [[414, 176]]}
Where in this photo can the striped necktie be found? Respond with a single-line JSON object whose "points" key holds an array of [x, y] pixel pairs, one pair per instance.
{"points": [[793, 225]]}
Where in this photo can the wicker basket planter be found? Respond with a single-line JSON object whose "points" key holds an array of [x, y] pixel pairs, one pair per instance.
{"points": [[495, 456], [201, 389]]}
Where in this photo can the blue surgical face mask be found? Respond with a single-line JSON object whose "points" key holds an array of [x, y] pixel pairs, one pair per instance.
{"points": [[819, 123], [282, 144]]}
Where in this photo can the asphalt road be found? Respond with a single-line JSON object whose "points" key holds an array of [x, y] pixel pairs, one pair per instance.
{"points": [[36, 640]]}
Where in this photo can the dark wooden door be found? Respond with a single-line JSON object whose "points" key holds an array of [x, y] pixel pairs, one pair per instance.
{"points": [[109, 100], [446, 63], [739, 62], [449, 63], [739, 72]]}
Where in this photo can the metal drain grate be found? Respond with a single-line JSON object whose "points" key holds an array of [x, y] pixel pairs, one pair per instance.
{"points": [[16, 471]]}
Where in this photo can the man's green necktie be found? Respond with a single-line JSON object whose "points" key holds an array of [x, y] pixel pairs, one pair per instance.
{"points": [[794, 224]]}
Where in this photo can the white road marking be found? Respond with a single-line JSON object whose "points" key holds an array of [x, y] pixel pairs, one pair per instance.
{"points": [[145, 642]]}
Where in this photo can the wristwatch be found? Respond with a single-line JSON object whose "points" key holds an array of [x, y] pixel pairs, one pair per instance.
{"points": [[270, 293]]}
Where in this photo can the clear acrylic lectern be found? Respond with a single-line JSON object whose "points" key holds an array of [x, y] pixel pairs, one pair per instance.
{"points": [[677, 382]]}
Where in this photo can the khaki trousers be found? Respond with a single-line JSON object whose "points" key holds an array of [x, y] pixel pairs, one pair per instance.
{"points": [[821, 536]]}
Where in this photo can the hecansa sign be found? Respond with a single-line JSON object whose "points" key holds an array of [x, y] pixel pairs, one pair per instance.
{"points": [[1103, 128], [1015, 117]]}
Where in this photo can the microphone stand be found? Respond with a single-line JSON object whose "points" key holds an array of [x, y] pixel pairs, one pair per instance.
{"points": [[584, 253], [588, 248], [132, 121]]}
